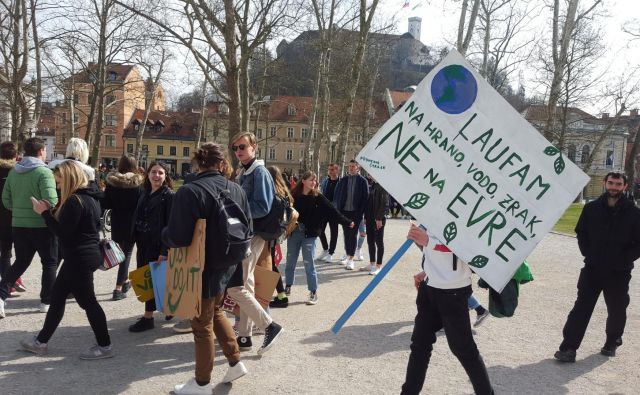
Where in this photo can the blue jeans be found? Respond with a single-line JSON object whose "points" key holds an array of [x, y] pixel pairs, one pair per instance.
{"points": [[296, 242], [473, 303]]}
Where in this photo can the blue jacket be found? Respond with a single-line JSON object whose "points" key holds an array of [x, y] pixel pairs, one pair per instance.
{"points": [[258, 186], [361, 192]]}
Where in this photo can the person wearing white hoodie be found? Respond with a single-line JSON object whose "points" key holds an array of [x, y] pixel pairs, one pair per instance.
{"points": [[444, 287]]}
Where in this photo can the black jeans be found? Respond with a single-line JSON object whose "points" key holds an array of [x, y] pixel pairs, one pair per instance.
{"points": [[438, 308], [351, 234], [26, 242], [141, 260], [615, 288], [123, 268], [80, 283], [274, 267], [333, 237], [5, 257], [375, 240]]}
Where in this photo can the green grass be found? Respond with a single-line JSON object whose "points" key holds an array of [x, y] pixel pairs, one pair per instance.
{"points": [[177, 184], [567, 223]]}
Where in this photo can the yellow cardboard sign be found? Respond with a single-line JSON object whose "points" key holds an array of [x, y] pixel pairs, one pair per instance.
{"points": [[183, 292], [141, 283]]}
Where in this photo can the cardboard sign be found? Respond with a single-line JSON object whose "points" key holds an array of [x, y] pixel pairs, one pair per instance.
{"points": [[265, 280], [142, 283], [472, 170], [183, 291], [159, 277]]}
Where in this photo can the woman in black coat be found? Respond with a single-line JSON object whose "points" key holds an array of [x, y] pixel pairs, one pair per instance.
{"points": [[124, 188], [76, 223], [152, 215]]}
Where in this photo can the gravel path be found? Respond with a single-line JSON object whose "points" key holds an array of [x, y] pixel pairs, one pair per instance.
{"points": [[367, 357]]}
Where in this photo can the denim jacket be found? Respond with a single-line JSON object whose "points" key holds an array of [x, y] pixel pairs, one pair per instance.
{"points": [[258, 186]]}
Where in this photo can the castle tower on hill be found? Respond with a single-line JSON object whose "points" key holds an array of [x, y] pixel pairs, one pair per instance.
{"points": [[415, 24]]}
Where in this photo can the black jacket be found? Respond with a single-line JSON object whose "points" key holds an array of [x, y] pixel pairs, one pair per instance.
{"points": [[5, 214], [314, 211], [609, 237], [152, 215], [192, 202], [361, 194], [121, 196], [77, 229], [377, 204]]}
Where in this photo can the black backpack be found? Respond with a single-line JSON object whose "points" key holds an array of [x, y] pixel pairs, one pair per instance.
{"points": [[273, 225], [233, 234]]}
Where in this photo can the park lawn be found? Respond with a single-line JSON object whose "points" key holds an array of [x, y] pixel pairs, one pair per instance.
{"points": [[567, 223]]}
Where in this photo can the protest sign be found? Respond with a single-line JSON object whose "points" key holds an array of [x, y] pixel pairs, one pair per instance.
{"points": [[183, 291], [159, 277], [265, 281], [142, 283], [472, 170]]}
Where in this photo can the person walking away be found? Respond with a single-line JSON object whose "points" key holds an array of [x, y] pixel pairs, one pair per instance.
{"points": [[327, 188], [124, 188], [444, 287], [350, 199], [314, 209], [30, 178], [192, 202], [8, 154], [152, 214], [76, 222], [608, 233], [375, 216]]}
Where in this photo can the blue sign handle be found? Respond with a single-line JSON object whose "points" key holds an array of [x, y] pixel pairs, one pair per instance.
{"points": [[371, 286]]}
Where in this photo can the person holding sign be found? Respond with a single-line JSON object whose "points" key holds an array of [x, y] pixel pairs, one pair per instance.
{"points": [[350, 199], [152, 214], [608, 233], [444, 287], [192, 202]]}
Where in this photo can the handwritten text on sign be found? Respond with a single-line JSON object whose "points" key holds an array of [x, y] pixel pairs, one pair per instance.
{"points": [[472, 170], [183, 293]]}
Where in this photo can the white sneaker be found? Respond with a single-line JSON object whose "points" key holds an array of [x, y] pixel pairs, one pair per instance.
{"points": [[234, 373], [322, 256], [358, 256], [43, 307], [350, 265], [328, 258], [344, 260], [2, 314], [367, 268], [33, 345], [374, 270], [192, 388]]}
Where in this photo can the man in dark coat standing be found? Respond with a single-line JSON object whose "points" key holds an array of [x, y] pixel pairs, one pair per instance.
{"points": [[609, 239]]}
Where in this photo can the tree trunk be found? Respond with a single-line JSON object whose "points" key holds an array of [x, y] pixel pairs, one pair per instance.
{"points": [[233, 72]]}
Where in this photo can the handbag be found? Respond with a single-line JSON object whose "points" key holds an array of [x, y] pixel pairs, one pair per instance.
{"points": [[112, 254]]}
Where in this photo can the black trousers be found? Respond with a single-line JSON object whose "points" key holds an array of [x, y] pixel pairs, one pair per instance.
{"points": [[80, 283], [438, 308], [26, 242], [274, 267], [143, 259], [615, 288], [375, 240], [123, 268], [333, 237], [5, 257], [351, 234]]}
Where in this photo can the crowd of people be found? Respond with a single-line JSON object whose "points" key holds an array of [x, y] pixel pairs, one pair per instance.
{"points": [[55, 210]]}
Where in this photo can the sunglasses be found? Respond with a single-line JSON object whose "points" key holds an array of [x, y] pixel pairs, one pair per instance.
{"points": [[240, 147]]}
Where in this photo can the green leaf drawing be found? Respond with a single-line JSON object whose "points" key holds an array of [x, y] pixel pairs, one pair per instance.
{"points": [[558, 165], [479, 261], [450, 232], [417, 201], [551, 150]]}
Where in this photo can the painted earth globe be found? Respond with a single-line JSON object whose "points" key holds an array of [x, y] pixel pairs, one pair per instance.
{"points": [[454, 89]]}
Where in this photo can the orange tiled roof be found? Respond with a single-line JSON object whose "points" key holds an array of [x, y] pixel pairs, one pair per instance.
{"points": [[171, 125]]}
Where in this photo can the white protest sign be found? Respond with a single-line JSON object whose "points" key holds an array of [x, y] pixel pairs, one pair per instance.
{"points": [[472, 170]]}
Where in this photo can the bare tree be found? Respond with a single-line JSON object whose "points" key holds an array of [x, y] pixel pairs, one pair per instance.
{"points": [[465, 34]]}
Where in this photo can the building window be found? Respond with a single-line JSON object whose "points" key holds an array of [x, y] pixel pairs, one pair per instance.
{"points": [[76, 98], [110, 120], [109, 140], [110, 99], [291, 109], [75, 118], [273, 131], [259, 153], [185, 151], [585, 154], [609, 158], [130, 148], [112, 76], [290, 133], [315, 133], [64, 118], [259, 134], [301, 154], [172, 151], [289, 154], [272, 153], [160, 150], [305, 133], [571, 153]]}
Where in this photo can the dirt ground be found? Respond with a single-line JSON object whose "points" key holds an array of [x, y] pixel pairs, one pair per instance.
{"points": [[368, 356]]}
